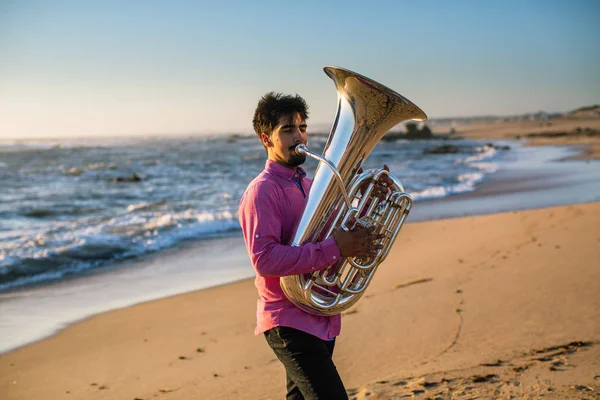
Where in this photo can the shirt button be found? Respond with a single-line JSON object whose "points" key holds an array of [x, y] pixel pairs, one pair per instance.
{"points": [[256, 236], [334, 257]]}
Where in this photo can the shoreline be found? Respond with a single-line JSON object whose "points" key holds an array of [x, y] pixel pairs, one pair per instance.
{"points": [[83, 297], [175, 271]]}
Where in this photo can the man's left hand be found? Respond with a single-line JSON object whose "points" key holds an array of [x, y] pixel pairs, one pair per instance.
{"points": [[382, 187]]}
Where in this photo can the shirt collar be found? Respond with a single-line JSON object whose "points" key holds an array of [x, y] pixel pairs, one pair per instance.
{"points": [[283, 171]]}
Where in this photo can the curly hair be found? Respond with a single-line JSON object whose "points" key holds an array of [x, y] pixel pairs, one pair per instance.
{"points": [[272, 106]]}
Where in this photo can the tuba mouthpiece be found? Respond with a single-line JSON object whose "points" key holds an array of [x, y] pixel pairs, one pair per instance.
{"points": [[301, 149]]}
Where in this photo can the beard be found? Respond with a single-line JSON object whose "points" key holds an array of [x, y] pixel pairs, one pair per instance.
{"points": [[296, 159]]}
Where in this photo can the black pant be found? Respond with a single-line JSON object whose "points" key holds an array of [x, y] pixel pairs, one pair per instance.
{"points": [[310, 371]]}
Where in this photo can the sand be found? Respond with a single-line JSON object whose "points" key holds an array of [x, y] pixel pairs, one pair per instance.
{"points": [[488, 306], [491, 307]]}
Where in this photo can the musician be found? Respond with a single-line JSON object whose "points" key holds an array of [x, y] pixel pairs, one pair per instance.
{"points": [[269, 213]]}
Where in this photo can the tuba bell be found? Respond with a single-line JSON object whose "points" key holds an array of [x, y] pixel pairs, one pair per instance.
{"points": [[366, 111]]}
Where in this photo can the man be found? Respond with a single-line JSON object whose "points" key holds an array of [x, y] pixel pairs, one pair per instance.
{"points": [[270, 211]]}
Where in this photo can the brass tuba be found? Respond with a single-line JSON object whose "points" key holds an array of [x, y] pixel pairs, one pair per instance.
{"points": [[366, 111]]}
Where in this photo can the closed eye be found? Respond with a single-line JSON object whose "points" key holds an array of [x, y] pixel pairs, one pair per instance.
{"points": [[289, 128]]}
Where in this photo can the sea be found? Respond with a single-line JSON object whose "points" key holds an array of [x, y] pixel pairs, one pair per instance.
{"points": [[71, 207]]}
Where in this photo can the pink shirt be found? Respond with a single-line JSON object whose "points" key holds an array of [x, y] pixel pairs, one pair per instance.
{"points": [[270, 211]]}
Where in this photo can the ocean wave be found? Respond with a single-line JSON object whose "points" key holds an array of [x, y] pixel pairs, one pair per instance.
{"points": [[136, 207], [56, 263], [488, 167], [75, 171], [18, 145], [482, 153], [61, 253], [466, 183]]}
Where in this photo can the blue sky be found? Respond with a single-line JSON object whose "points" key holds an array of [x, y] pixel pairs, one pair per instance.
{"points": [[77, 68]]}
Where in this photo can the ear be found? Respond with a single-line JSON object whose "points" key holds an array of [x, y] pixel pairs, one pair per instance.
{"points": [[266, 140]]}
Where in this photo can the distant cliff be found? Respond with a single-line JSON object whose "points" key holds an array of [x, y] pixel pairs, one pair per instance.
{"points": [[585, 112]]}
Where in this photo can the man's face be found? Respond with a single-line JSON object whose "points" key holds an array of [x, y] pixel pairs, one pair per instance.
{"points": [[289, 132]]}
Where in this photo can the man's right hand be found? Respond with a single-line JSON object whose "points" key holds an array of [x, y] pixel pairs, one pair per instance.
{"points": [[359, 242]]}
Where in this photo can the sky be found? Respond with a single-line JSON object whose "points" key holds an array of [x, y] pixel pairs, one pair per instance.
{"points": [[119, 68]]}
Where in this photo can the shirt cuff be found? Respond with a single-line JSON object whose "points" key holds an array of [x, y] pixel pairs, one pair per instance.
{"points": [[330, 250]]}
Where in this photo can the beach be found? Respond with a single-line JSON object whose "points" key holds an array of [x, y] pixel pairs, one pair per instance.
{"points": [[498, 303], [558, 131]]}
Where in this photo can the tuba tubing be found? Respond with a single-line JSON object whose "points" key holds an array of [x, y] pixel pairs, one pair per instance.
{"points": [[366, 111]]}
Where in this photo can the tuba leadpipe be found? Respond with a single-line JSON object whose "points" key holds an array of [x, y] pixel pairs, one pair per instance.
{"points": [[366, 111]]}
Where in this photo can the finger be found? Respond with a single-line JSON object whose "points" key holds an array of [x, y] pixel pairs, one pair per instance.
{"points": [[385, 182], [364, 244], [357, 228], [385, 177], [371, 253], [350, 223], [369, 230], [364, 254], [368, 257], [362, 236], [380, 193], [373, 244], [369, 246], [374, 238]]}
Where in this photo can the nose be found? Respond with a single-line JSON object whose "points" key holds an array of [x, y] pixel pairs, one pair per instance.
{"points": [[298, 136]]}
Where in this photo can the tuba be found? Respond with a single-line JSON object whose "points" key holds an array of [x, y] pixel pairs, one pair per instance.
{"points": [[341, 197]]}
